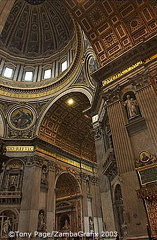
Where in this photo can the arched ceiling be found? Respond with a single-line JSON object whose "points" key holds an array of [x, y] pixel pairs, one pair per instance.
{"points": [[114, 26], [66, 186], [37, 30], [68, 128]]}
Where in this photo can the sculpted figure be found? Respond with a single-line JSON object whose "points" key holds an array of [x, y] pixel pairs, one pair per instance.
{"points": [[91, 223], [66, 225], [131, 107], [41, 222], [44, 175], [6, 226]]}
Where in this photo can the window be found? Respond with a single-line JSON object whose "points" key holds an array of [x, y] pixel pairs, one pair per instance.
{"points": [[28, 76], [8, 72], [64, 66], [47, 74]]}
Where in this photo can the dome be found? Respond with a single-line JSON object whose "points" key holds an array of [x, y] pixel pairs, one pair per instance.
{"points": [[36, 29]]}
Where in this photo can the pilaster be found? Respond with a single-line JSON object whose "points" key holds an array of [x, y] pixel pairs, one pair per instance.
{"points": [[148, 104], [28, 219]]}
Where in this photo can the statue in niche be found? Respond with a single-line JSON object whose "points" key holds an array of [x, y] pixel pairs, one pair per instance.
{"points": [[66, 225], [131, 107], [44, 175], [41, 222], [6, 226], [91, 224], [65, 222], [14, 181]]}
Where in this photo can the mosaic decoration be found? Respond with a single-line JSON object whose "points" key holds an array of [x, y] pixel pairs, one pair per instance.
{"points": [[21, 118]]}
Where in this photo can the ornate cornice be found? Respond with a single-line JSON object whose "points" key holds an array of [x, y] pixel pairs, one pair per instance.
{"points": [[112, 95], [141, 52], [92, 179], [141, 80]]}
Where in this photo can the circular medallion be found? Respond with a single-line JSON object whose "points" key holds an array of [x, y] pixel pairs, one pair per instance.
{"points": [[93, 65], [145, 156], [21, 118]]}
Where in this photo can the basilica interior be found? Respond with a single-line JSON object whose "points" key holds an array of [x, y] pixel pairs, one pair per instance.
{"points": [[78, 119]]}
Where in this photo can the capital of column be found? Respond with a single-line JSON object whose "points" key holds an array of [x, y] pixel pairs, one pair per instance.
{"points": [[141, 81], [111, 96], [92, 179], [98, 131], [34, 161]]}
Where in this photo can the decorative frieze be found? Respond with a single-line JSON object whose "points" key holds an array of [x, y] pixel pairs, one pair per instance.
{"points": [[92, 179]]}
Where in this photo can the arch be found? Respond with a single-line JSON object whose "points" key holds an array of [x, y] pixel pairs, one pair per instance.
{"points": [[14, 210], [68, 202], [16, 161], [67, 127], [73, 183], [8, 221], [82, 90]]}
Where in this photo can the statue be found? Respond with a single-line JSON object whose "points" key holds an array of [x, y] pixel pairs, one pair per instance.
{"points": [[131, 107], [6, 226], [66, 225], [44, 175], [14, 181], [91, 224], [41, 222]]}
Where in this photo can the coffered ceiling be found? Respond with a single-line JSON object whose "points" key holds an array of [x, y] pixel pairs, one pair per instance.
{"points": [[115, 26], [68, 128]]}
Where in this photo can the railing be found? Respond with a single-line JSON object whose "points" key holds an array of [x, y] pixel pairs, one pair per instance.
{"points": [[10, 194]]}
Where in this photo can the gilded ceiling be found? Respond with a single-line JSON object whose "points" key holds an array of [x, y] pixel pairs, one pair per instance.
{"points": [[37, 30], [66, 186], [114, 26], [67, 128]]}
